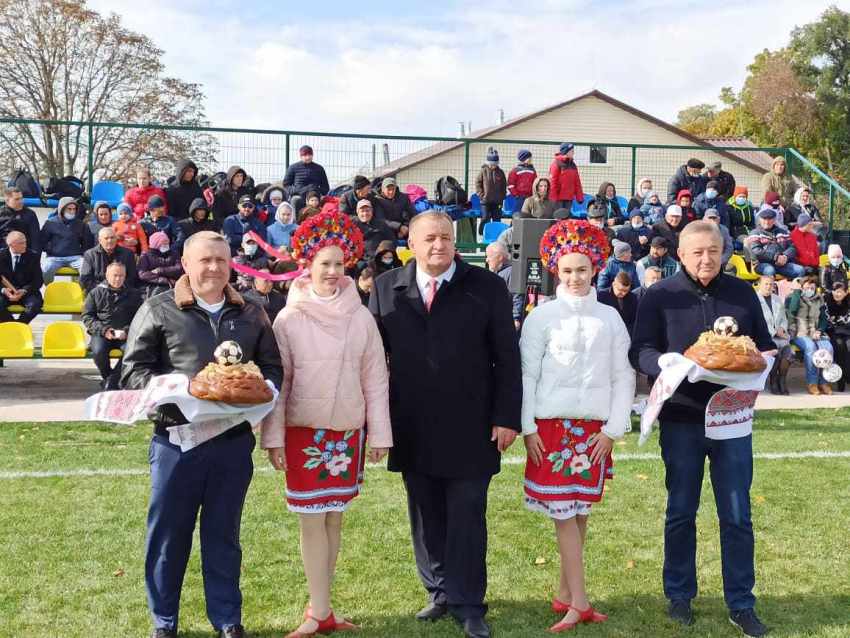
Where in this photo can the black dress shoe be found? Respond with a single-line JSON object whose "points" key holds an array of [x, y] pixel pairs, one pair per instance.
{"points": [[164, 633], [234, 631], [476, 628], [747, 621], [680, 611], [432, 612]]}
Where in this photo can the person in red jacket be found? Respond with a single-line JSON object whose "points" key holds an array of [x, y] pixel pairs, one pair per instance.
{"points": [[686, 202], [805, 240], [138, 197], [521, 178], [566, 182]]}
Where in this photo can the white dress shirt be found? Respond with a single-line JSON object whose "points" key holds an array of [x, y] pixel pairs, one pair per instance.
{"points": [[423, 280]]}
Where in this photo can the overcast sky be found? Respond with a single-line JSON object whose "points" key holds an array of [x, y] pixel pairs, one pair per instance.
{"points": [[381, 67]]}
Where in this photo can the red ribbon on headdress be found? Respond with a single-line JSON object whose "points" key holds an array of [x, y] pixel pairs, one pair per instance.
{"points": [[274, 252]]}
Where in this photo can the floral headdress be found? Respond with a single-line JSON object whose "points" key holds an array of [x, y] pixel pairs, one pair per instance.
{"points": [[328, 229], [573, 236]]}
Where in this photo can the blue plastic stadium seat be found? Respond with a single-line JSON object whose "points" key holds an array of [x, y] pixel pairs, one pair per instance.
{"points": [[510, 205], [623, 202], [580, 209], [475, 206], [110, 192], [492, 230]]}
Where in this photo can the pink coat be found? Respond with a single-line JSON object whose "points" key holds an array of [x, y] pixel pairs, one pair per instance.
{"points": [[334, 367]]}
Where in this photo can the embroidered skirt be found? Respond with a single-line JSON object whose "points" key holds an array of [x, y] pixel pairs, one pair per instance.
{"points": [[565, 484], [324, 469]]}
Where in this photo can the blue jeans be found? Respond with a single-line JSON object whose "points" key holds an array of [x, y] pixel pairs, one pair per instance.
{"points": [[51, 264], [684, 448], [789, 270], [807, 346], [213, 478]]}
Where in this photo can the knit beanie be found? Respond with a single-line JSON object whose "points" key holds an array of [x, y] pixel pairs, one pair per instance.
{"points": [[696, 163], [492, 155], [621, 249], [158, 239], [124, 207], [155, 202], [565, 148], [804, 219], [523, 155], [741, 190], [360, 181]]}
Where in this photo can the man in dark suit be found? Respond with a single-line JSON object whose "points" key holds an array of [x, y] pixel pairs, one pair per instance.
{"points": [[22, 280], [455, 398]]}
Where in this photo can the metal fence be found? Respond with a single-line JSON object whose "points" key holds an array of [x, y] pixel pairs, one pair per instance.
{"points": [[92, 151]]}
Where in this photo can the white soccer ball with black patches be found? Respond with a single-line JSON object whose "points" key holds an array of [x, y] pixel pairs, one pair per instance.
{"points": [[726, 326], [822, 358], [833, 373], [228, 353]]}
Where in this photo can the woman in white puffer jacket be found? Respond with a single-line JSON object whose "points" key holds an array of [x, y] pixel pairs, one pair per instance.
{"points": [[578, 388]]}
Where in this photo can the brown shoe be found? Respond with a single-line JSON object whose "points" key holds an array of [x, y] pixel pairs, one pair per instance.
{"points": [[825, 388], [813, 388]]}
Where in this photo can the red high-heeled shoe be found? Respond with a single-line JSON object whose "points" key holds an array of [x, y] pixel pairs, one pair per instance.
{"points": [[559, 607], [589, 615]]}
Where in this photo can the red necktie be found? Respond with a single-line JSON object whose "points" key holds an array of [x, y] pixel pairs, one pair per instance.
{"points": [[432, 292]]}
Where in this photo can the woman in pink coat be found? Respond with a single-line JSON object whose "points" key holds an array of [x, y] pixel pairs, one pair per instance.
{"points": [[138, 197], [335, 381]]}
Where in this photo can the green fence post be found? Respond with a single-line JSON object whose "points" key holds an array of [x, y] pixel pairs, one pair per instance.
{"points": [[91, 158], [287, 150], [466, 166], [831, 206], [634, 169]]}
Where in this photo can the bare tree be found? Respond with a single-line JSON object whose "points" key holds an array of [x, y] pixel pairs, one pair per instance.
{"points": [[62, 61]]}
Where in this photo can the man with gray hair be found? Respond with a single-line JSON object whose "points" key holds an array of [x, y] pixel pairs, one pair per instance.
{"points": [[20, 279], [95, 260], [671, 316], [498, 260], [178, 331]]}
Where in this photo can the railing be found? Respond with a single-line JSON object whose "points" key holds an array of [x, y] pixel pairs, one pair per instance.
{"points": [[112, 150]]}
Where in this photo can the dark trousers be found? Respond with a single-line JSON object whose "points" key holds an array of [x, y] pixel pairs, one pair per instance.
{"points": [[448, 522], [213, 478], [100, 347], [32, 304], [684, 448], [841, 346], [489, 213]]}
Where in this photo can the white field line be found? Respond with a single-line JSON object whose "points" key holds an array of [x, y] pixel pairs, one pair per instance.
{"points": [[514, 460]]}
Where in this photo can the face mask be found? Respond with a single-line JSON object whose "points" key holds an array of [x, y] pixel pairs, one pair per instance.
{"points": [[164, 249], [637, 224], [740, 200], [644, 191], [69, 216], [710, 193], [250, 250], [835, 261], [387, 261], [808, 293]]}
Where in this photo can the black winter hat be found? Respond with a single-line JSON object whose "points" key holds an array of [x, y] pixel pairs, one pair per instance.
{"points": [[695, 163], [360, 181]]}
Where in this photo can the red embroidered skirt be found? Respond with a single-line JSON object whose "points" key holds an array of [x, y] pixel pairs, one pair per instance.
{"points": [[565, 474], [324, 469]]}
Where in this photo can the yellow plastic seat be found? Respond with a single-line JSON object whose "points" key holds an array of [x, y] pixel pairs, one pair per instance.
{"points": [[116, 354], [64, 340], [68, 271], [824, 261], [741, 270], [405, 254], [63, 297], [15, 340]]}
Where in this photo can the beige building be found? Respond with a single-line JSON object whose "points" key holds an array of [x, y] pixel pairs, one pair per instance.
{"points": [[594, 122]]}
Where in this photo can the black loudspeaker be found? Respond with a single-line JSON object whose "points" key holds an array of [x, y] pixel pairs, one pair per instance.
{"points": [[527, 267]]}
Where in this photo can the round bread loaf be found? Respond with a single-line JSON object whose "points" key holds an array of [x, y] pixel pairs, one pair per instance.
{"points": [[234, 384], [731, 360]]}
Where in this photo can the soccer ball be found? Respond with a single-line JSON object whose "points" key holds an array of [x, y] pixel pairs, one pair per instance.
{"points": [[833, 373], [822, 358], [228, 353], [726, 326]]}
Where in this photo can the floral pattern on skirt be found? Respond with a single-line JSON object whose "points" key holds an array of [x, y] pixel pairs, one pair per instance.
{"points": [[566, 483], [324, 469]]}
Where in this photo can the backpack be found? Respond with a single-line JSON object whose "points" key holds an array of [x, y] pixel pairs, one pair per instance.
{"points": [[68, 186], [25, 182], [449, 192]]}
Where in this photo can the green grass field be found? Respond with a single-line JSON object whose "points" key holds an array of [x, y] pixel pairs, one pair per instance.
{"points": [[71, 562]]}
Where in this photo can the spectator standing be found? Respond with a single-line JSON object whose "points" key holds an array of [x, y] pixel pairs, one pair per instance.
{"points": [[659, 258], [139, 196], [305, 176], [539, 205], [620, 261], [15, 216], [107, 314], [835, 270], [565, 178], [130, 233], [688, 177], [160, 267], [64, 239], [238, 225], [95, 261], [491, 186], [522, 178], [22, 269], [184, 190], [807, 325], [231, 192], [838, 321], [777, 180], [725, 181], [771, 246], [777, 325], [395, 206]]}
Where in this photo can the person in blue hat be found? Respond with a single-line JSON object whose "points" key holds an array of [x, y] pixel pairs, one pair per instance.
{"points": [[521, 178]]}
